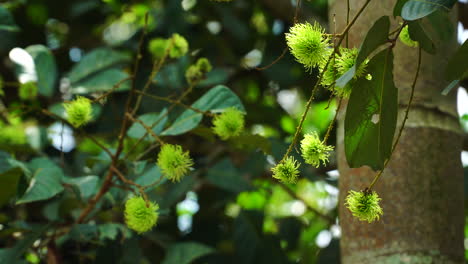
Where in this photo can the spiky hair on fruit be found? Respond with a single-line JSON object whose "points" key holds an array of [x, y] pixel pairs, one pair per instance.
{"points": [[308, 44], [174, 162], [229, 123], [179, 46], [140, 215], [364, 205], [286, 170], [314, 151], [79, 111], [406, 39]]}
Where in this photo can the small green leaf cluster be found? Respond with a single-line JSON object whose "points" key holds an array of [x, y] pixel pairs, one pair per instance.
{"points": [[174, 162], [79, 112], [314, 151], [140, 215], [27, 91], [364, 205], [198, 71], [229, 124], [158, 47], [287, 170], [406, 39]]}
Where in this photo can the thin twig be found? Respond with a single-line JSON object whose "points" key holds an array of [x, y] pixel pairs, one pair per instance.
{"points": [[147, 128], [160, 98]]}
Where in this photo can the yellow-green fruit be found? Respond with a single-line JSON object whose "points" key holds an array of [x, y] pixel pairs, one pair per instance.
{"points": [[287, 170], [174, 162], [140, 215], [364, 205], [229, 124], [308, 44], [27, 91], [314, 151], [179, 46], [157, 47], [79, 111]]}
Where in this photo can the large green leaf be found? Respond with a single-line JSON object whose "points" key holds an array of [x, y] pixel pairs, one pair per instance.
{"points": [[376, 36], [44, 185], [398, 6], [10, 173], [418, 34], [458, 63], [102, 81], [371, 115], [95, 61], [216, 99], [6, 20], [46, 69], [416, 9], [138, 131], [225, 176], [186, 253], [150, 176], [85, 186]]}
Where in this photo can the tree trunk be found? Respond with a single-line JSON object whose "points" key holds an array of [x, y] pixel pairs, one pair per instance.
{"points": [[422, 187]]}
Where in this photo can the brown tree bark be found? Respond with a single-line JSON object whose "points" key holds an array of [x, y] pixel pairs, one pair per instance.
{"points": [[422, 187]]}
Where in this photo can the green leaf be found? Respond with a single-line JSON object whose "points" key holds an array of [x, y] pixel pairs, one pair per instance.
{"points": [[371, 115], [225, 176], [6, 21], [251, 142], [44, 185], [186, 253], [416, 9], [85, 186], [418, 34], [11, 171], [13, 255], [176, 192], [398, 6], [95, 61], [9, 184], [138, 131], [46, 69], [458, 64], [215, 100], [101, 82], [376, 36], [442, 26], [111, 230], [151, 176]]}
